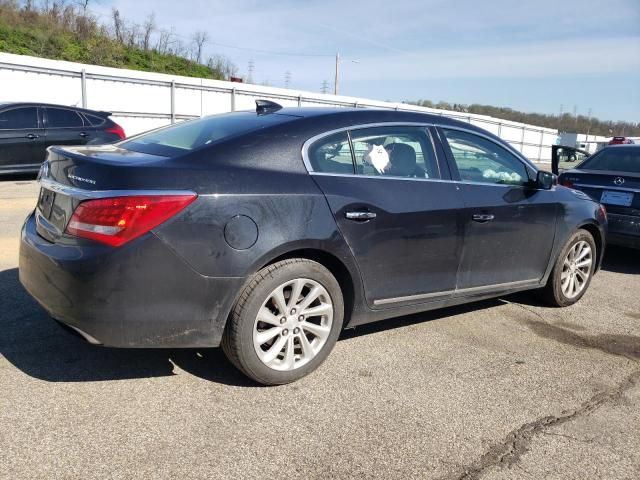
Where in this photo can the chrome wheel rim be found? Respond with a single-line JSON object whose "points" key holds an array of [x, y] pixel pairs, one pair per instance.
{"points": [[576, 269], [293, 324]]}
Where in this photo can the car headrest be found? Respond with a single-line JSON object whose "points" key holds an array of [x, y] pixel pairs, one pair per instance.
{"points": [[403, 159]]}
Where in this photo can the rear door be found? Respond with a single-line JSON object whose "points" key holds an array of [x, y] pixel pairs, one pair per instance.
{"points": [[21, 139], [66, 127], [509, 225], [396, 208]]}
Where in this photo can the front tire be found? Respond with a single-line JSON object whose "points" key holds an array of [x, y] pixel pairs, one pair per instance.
{"points": [[573, 271], [285, 322]]}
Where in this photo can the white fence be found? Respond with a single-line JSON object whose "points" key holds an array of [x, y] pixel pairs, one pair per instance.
{"points": [[141, 100]]}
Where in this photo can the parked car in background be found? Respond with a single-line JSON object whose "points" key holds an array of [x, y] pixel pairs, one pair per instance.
{"points": [[621, 141], [266, 232], [612, 177], [27, 129]]}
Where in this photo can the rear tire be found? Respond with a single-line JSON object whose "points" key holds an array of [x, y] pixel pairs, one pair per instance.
{"points": [[274, 338], [572, 271]]}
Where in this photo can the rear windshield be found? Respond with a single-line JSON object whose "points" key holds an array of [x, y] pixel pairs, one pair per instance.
{"points": [[619, 159], [194, 134]]}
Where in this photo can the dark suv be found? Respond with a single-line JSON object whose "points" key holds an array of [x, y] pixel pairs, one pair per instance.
{"points": [[27, 129]]}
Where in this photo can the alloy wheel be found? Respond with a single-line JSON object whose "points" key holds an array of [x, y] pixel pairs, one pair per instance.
{"points": [[293, 324], [576, 269]]}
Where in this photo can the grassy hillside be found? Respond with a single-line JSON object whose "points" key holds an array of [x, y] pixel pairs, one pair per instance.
{"points": [[67, 35]]}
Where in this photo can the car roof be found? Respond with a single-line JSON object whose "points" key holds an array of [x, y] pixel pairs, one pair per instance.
{"points": [[42, 104]]}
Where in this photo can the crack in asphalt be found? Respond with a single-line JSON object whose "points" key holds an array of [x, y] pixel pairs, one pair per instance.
{"points": [[508, 452]]}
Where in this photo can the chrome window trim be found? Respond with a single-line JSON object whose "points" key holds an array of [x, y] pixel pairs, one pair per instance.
{"points": [[442, 180], [24, 129], [458, 292], [603, 187], [307, 144], [82, 194], [360, 126]]}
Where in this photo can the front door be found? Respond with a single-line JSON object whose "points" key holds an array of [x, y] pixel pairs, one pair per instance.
{"points": [[509, 224], [21, 139], [401, 221]]}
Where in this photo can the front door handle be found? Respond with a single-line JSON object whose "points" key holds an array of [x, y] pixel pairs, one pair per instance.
{"points": [[83, 134], [360, 216], [31, 136], [483, 217]]}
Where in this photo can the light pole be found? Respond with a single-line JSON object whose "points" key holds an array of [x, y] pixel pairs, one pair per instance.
{"points": [[337, 78]]}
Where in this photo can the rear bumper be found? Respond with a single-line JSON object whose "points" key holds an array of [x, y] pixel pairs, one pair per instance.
{"points": [[138, 295], [624, 230]]}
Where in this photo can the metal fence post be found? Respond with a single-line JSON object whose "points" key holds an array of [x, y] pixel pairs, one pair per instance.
{"points": [[233, 99], [173, 101], [83, 83], [522, 141], [299, 100]]}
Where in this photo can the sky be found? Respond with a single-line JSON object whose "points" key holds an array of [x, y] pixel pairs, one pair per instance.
{"points": [[530, 55]]}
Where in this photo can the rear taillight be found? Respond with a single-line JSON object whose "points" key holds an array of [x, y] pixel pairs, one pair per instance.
{"points": [[116, 130], [118, 220], [566, 183]]}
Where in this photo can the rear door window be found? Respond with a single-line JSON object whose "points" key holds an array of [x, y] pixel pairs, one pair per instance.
{"points": [[19, 119], [394, 151], [63, 118]]}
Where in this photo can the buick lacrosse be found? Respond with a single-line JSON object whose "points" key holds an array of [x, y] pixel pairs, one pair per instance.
{"points": [[267, 232]]}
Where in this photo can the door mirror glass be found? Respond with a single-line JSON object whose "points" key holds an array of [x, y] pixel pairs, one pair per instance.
{"points": [[546, 180], [566, 158]]}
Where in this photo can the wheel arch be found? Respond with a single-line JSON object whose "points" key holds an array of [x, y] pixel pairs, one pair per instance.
{"points": [[349, 283], [597, 235]]}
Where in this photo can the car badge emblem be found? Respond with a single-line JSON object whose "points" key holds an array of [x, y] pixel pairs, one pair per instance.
{"points": [[618, 180]]}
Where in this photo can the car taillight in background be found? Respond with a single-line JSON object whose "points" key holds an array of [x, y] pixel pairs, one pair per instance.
{"points": [[116, 130], [115, 221], [566, 183]]}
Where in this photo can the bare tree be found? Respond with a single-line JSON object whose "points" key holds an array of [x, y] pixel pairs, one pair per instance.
{"points": [[118, 25], [147, 29], [223, 65], [199, 39]]}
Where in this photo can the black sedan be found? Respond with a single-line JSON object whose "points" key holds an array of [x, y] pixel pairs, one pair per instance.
{"points": [[27, 129], [612, 177], [268, 232]]}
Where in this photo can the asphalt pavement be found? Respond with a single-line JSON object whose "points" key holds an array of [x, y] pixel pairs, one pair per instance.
{"points": [[500, 389]]}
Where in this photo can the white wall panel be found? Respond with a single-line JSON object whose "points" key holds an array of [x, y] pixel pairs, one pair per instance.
{"points": [[142, 100]]}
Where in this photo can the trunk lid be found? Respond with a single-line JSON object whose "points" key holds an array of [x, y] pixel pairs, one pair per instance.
{"points": [[618, 191], [73, 174]]}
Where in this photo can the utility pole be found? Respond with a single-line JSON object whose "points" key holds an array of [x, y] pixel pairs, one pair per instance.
{"points": [[335, 85], [560, 118], [575, 117], [287, 79], [589, 122], [251, 68], [325, 86]]}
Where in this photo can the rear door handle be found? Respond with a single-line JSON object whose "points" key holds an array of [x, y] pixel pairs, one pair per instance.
{"points": [[360, 216], [31, 136], [483, 217]]}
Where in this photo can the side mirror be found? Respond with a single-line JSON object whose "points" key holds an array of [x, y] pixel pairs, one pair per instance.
{"points": [[546, 180]]}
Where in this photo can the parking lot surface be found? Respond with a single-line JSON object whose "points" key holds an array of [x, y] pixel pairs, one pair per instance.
{"points": [[494, 390]]}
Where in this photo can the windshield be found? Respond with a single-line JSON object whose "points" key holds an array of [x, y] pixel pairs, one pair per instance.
{"points": [[619, 159], [187, 136]]}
